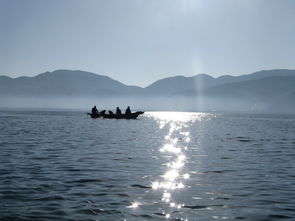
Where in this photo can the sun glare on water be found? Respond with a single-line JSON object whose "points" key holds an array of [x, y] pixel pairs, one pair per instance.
{"points": [[175, 145], [177, 117], [134, 205]]}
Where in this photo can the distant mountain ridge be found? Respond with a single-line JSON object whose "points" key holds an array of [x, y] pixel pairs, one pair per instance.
{"points": [[203, 81], [179, 83], [264, 89], [64, 83]]}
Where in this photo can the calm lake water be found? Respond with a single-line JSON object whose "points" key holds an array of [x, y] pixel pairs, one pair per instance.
{"points": [[162, 166]]}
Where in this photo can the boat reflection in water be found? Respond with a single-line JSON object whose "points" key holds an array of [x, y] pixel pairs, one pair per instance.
{"points": [[176, 143]]}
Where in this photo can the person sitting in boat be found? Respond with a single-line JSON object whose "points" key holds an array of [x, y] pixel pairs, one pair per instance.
{"points": [[128, 111], [94, 110], [102, 113], [111, 112], [118, 111]]}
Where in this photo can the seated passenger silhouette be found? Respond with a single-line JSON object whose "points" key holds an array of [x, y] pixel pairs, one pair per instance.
{"points": [[128, 111], [94, 110], [118, 111], [102, 113]]}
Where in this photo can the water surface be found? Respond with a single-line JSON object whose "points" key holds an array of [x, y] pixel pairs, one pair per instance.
{"points": [[163, 166]]}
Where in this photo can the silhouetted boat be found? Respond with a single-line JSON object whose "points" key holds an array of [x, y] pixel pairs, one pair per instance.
{"points": [[117, 116]]}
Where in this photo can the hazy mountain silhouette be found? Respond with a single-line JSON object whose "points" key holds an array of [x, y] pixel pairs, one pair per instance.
{"points": [[270, 93], [176, 84], [272, 90], [64, 83], [179, 84]]}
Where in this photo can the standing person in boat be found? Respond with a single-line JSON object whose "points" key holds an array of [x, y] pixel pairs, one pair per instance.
{"points": [[118, 111], [128, 111], [94, 111]]}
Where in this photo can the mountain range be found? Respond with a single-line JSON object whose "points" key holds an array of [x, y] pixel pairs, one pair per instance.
{"points": [[263, 91]]}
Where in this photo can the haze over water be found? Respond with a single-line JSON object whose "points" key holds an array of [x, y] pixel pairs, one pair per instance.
{"points": [[163, 166]]}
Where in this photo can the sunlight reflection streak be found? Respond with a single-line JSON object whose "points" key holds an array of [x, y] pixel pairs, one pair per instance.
{"points": [[175, 148], [176, 143]]}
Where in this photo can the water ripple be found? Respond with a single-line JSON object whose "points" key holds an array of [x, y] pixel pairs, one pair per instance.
{"points": [[164, 166]]}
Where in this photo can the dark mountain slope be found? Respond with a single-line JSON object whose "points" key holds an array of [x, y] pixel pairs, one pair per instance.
{"points": [[175, 84], [178, 84], [66, 83]]}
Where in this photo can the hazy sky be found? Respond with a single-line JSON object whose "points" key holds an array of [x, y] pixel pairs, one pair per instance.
{"points": [[140, 41]]}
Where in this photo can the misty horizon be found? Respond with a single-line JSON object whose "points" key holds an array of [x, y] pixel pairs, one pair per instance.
{"points": [[262, 91], [159, 79]]}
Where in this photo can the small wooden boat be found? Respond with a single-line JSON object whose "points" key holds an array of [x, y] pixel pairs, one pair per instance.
{"points": [[116, 116]]}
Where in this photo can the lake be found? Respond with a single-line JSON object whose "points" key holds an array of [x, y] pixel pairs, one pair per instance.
{"points": [[58, 165]]}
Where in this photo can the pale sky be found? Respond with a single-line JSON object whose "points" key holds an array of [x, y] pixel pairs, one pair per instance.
{"points": [[140, 41]]}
